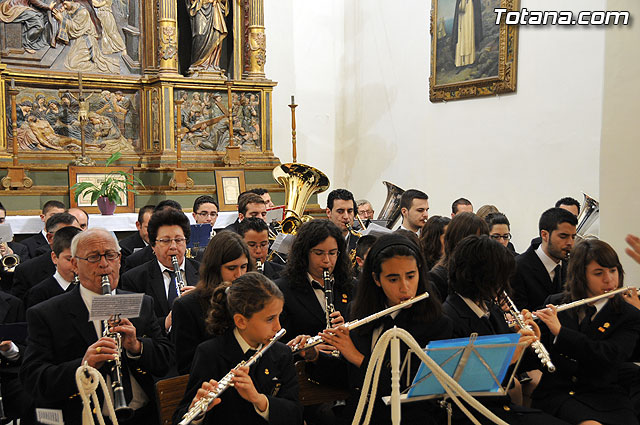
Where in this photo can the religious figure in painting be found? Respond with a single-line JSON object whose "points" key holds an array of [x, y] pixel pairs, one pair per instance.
{"points": [[32, 15], [85, 54], [467, 31], [106, 133], [208, 29], [111, 41]]}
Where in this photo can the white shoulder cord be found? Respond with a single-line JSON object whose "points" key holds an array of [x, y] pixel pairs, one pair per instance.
{"points": [[87, 380], [451, 387]]}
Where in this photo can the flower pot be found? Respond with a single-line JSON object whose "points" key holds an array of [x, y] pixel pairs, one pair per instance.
{"points": [[106, 206]]}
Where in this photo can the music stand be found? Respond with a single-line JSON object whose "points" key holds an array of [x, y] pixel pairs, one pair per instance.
{"points": [[478, 363], [199, 238], [461, 349]]}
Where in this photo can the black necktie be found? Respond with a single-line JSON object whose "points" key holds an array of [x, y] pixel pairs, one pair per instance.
{"points": [[557, 278], [316, 285], [173, 289], [70, 287], [589, 312], [249, 353]]}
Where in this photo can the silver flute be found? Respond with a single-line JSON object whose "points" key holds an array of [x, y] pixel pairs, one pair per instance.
{"points": [[578, 303], [114, 366], [180, 282], [200, 407], [538, 347], [315, 340]]}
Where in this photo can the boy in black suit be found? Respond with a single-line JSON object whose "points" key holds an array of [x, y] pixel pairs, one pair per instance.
{"points": [[63, 279], [255, 232]]}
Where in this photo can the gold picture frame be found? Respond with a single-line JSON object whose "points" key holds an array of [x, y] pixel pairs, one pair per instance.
{"points": [[484, 60], [229, 185], [95, 175]]}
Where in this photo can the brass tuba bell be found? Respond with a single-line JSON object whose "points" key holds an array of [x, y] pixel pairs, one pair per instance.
{"points": [[391, 208], [300, 181], [588, 215]]}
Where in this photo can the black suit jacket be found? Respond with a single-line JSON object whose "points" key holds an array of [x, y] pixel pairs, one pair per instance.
{"points": [[273, 375], [11, 311], [137, 259], [59, 334], [272, 270], [188, 328], [36, 242], [233, 227], [6, 277], [48, 288], [588, 359], [423, 412], [302, 314], [30, 273], [147, 279], [531, 283], [130, 243]]}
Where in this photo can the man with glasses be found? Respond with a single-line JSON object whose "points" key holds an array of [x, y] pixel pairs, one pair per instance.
{"points": [[365, 210], [169, 231], [61, 338], [205, 210], [255, 232]]}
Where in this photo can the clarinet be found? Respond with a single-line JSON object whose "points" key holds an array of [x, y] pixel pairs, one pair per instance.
{"points": [[114, 366], [260, 266], [180, 282], [538, 348], [315, 340], [328, 295], [201, 406]]}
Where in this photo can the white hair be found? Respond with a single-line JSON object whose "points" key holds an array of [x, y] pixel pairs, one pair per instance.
{"points": [[80, 237]]}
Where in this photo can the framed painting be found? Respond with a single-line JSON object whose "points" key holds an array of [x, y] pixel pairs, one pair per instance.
{"points": [[96, 175], [473, 51], [229, 185]]}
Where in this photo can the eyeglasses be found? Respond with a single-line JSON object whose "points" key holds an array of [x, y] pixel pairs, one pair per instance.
{"points": [[178, 241], [320, 253], [205, 214], [256, 245], [496, 236], [94, 258]]}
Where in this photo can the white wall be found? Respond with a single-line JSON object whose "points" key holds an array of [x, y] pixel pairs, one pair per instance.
{"points": [[619, 181], [360, 73]]}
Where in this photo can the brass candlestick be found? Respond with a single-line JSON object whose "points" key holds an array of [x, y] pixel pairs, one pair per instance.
{"points": [[293, 128]]}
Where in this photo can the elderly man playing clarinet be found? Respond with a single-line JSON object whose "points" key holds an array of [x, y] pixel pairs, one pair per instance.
{"points": [[61, 338]]}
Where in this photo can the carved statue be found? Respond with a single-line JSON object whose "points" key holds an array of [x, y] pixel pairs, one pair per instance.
{"points": [[31, 13], [208, 29], [85, 54]]}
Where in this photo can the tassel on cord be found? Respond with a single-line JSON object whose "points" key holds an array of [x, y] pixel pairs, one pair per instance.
{"points": [[450, 386], [87, 380]]}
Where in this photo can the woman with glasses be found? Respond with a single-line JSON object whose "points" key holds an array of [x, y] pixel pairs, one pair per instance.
{"points": [[225, 259], [318, 246], [169, 231], [499, 230]]}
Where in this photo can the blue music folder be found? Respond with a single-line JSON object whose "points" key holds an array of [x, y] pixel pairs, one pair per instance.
{"points": [[200, 235], [479, 364]]}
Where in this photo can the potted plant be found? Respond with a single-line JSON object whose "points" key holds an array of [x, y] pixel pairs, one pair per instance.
{"points": [[108, 192]]}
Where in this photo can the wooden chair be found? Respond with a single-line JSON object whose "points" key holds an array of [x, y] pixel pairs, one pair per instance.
{"points": [[169, 393], [312, 392]]}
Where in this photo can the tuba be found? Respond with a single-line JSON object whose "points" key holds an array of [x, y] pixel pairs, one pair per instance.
{"points": [[300, 181], [588, 215], [391, 208]]}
